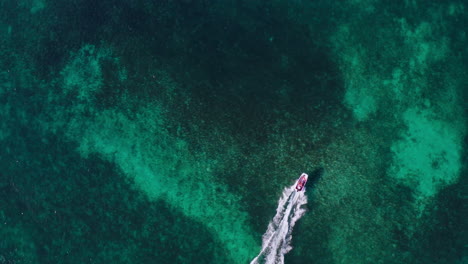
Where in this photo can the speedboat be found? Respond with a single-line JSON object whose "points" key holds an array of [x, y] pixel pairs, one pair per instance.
{"points": [[301, 182]]}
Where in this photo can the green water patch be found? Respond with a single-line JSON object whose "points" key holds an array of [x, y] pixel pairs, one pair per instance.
{"points": [[398, 78], [392, 68], [403, 84], [427, 158], [138, 142]]}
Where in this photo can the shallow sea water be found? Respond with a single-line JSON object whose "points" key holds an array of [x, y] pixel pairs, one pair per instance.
{"points": [[166, 131]]}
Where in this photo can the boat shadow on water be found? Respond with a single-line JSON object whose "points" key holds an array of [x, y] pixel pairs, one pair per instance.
{"points": [[314, 177]]}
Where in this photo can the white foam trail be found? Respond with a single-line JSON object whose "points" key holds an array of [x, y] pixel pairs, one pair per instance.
{"points": [[276, 241]]}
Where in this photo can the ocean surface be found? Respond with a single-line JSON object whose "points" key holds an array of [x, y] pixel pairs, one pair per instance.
{"points": [[166, 131]]}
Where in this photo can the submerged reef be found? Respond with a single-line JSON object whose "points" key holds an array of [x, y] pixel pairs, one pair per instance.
{"points": [[164, 132]]}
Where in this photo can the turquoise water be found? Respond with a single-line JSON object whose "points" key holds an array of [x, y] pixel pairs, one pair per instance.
{"points": [[165, 131]]}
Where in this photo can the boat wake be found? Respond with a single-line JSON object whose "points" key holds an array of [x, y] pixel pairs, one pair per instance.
{"points": [[276, 241]]}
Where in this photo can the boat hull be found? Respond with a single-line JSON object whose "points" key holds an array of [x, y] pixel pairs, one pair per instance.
{"points": [[301, 182]]}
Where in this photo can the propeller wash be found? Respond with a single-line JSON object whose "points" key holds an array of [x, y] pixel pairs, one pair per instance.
{"points": [[276, 242]]}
